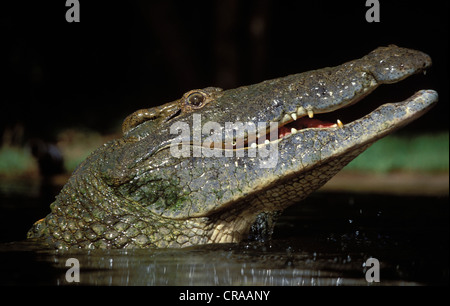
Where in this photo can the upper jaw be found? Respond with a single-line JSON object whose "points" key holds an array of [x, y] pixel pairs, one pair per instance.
{"points": [[304, 95], [307, 94], [328, 89]]}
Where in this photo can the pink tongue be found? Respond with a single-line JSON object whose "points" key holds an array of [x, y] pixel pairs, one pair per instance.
{"points": [[302, 123]]}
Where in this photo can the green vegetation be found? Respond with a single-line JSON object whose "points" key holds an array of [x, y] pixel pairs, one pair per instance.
{"points": [[16, 161], [419, 153]]}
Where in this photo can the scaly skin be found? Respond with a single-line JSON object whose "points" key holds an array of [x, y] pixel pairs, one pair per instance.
{"points": [[133, 191]]}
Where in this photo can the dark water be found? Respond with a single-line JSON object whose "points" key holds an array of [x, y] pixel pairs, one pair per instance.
{"points": [[324, 240]]}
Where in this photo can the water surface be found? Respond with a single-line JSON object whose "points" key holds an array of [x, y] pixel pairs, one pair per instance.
{"points": [[324, 240]]}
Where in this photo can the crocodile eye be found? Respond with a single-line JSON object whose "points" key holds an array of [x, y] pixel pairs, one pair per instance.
{"points": [[196, 99]]}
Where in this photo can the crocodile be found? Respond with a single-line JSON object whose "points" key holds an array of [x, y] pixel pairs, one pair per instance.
{"points": [[160, 185]]}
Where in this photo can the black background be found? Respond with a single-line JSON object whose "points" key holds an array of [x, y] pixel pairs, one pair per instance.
{"points": [[128, 55]]}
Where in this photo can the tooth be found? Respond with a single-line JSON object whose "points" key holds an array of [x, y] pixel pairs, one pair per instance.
{"points": [[424, 72], [310, 114], [267, 141], [340, 124], [286, 118], [301, 111], [294, 116], [293, 130]]}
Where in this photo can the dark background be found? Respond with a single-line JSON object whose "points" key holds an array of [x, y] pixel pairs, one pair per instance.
{"points": [[128, 55]]}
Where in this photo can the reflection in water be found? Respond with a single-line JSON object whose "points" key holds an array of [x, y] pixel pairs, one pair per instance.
{"points": [[224, 265], [227, 264]]}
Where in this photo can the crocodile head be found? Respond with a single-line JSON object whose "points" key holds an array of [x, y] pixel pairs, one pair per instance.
{"points": [[216, 166]]}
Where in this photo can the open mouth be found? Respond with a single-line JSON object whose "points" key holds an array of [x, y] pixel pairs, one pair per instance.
{"points": [[305, 123], [293, 123]]}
